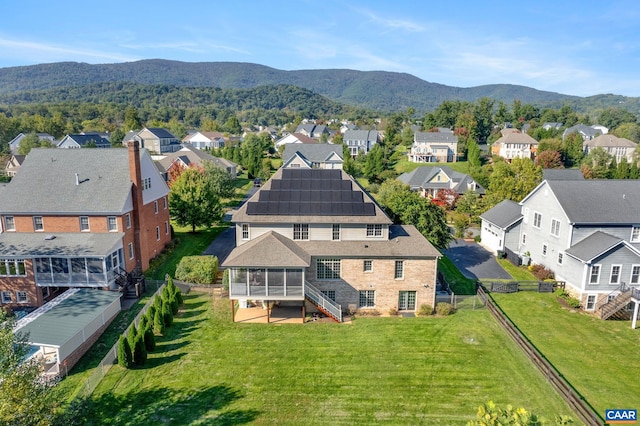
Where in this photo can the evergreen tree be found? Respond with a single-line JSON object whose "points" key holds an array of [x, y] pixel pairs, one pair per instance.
{"points": [[131, 336], [149, 338], [167, 315], [158, 322], [139, 351], [125, 357]]}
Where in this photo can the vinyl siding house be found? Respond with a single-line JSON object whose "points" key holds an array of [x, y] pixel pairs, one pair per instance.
{"points": [[313, 156], [79, 218], [205, 140], [434, 147], [92, 140], [297, 138], [313, 238], [500, 226], [14, 143], [360, 141], [13, 164], [586, 132], [157, 141], [588, 233]]}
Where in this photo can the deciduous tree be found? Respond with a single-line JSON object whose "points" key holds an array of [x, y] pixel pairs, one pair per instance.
{"points": [[193, 201]]}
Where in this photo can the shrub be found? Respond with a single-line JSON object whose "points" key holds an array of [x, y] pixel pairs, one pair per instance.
{"points": [[173, 302], [157, 303], [444, 309], [158, 322], [197, 269], [573, 302], [393, 312], [142, 324], [541, 272], [167, 315], [125, 358], [149, 338], [139, 351], [131, 336], [151, 311], [425, 310], [225, 280], [368, 313]]}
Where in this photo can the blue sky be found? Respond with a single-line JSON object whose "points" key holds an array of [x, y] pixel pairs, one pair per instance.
{"points": [[573, 47]]}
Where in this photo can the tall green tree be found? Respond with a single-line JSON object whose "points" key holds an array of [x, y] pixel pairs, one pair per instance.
{"points": [[596, 164], [408, 207], [573, 151], [483, 115], [25, 400], [374, 164], [131, 119], [513, 181], [31, 141], [193, 201]]}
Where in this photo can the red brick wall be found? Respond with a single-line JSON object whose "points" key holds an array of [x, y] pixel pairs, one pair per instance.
{"points": [[149, 220]]}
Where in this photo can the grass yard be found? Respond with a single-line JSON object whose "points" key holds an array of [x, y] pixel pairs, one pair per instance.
{"points": [[208, 370], [519, 273], [597, 357], [459, 283]]}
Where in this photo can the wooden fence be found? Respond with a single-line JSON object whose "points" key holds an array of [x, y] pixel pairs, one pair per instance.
{"points": [[515, 286], [580, 406]]}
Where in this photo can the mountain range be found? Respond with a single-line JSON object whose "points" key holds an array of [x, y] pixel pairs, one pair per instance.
{"points": [[378, 90]]}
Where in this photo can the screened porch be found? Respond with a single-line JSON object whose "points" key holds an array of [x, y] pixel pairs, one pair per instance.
{"points": [[266, 283]]}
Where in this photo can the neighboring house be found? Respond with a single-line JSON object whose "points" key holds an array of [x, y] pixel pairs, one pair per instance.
{"points": [[157, 140], [360, 141], [618, 148], [514, 144], [551, 125], [297, 138], [429, 180], [499, 224], [314, 131], [587, 132], [587, 232], [313, 156], [316, 235], [14, 144], [92, 140], [14, 163], [562, 174], [79, 218], [188, 156], [205, 140], [434, 147]]}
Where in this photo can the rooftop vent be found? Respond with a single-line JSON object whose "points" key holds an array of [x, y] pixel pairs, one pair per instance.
{"points": [[50, 237]]}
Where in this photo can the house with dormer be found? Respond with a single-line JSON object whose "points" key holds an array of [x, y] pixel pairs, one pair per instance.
{"points": [[188, 156], [314, 239], [79, 218], [433, 147], [14, 144], [588, 233], [586, 132], [430, 180], [312, 156]]}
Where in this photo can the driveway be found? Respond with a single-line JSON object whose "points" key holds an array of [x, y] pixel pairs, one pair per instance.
{"points": [[226, 241], [474, 261]]}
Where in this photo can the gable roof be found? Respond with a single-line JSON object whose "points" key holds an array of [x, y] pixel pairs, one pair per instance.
{"points": [[592, 201], [46, 182], [270, 249], [513, 136], [504, 214], [435, 137], [609, 141], [360, 135], [192, 156], [311, 196], [421, 177], [595, 245], [159, 132], [562, 174], [314, 153], [84, 139]]}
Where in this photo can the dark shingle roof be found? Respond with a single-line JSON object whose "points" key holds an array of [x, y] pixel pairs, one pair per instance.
{"points": [[562, 174], [30, 244], [593, 246], [269, 250], [599, 201], [315, 153], [504, 214]]}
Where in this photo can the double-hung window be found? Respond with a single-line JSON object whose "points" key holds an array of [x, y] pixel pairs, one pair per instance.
{"points": [[537, 219], [335, 231], [245, 231], [38, 224], [635, 234], [635, 274], [368, 266], [300, 231], [594, 275], [367, 299], [374, 230], [9, 223], [112, 223], [398, 272], [555, 227], [614, 278], [328, 269]]}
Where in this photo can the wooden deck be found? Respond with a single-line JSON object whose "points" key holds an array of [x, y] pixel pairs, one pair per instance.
{"points": [[278, 315]]}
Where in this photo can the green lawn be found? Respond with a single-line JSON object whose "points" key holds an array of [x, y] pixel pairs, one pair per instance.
{"points": [[459, 283], [519, 273], [208, 370], [598, 358]]}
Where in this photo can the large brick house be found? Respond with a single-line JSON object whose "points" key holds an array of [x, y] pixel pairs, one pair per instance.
{"points": [[79, 218], [314, 237]]}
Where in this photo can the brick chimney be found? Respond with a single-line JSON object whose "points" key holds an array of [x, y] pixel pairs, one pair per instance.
{"points": [[135, 173]]}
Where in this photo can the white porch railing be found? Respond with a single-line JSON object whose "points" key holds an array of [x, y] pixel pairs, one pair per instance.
{"points": [[323, 302]]}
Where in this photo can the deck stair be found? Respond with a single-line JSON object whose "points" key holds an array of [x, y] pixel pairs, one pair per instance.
{"points": [[323, 303], [615, 305]]}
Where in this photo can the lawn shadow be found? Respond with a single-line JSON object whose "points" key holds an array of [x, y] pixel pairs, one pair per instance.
{"points": [[161, 406]]}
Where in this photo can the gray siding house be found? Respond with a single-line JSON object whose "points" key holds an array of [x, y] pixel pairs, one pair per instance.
{"points": [[588, 233]]}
